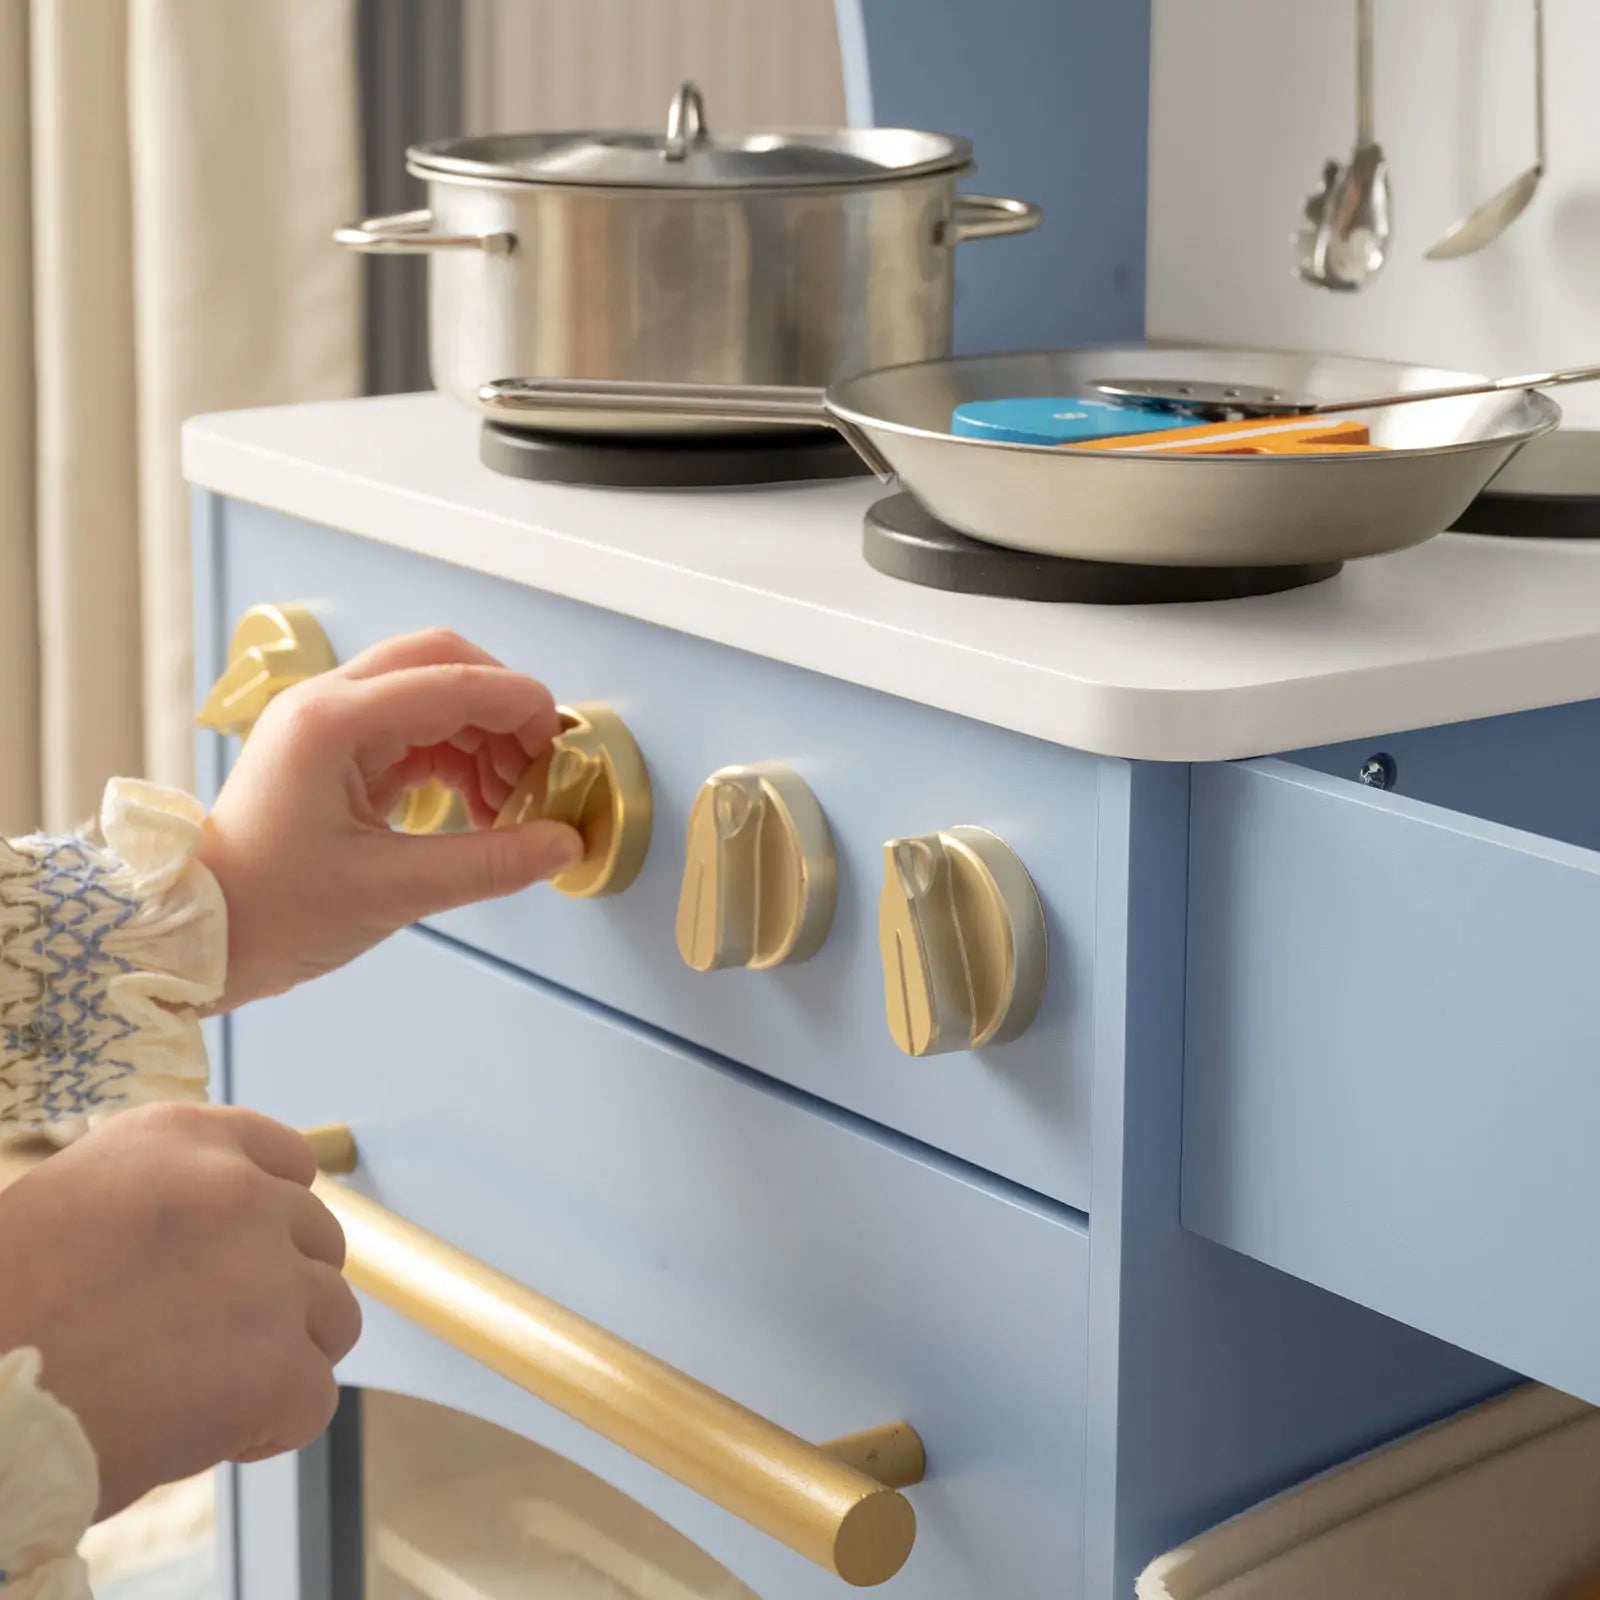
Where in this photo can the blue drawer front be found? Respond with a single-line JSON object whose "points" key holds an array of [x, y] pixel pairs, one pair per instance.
{"points": [[1390, 1074], [880, 768], [828, 1276]]}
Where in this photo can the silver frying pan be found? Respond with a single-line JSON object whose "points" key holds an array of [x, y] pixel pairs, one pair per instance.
{"points": [[1153, 509]]}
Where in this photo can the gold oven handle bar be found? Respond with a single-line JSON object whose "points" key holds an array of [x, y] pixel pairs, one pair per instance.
{"points": [[835, 1504]]}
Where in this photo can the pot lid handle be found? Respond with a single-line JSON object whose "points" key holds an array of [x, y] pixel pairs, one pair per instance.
{"points": [[686, 123]]}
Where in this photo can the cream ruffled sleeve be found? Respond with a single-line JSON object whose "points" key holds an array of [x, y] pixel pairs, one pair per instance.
{"points": [[49, 1488], [110, 945]]}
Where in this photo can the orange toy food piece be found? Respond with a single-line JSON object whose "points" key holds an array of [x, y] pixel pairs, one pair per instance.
{"points": [[1256, 436]]}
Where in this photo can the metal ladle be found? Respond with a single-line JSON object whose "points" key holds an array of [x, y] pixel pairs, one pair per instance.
{"points": [[1500, 210], [1347, 240]]}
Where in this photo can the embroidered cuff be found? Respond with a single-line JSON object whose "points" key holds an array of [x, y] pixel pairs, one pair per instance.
{"points": [[109, 945], [49, 1488]]}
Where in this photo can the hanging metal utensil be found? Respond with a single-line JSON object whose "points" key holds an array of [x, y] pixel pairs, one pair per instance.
{"points": [[1311, 242], [1497, 213], [1258, 400], [1347, 238], [1358, 211]]}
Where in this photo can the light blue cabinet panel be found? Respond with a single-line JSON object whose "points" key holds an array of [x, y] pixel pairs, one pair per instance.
{"points": [[1278, 992], [827, 1274], [880, 768], [1537, 770], [1214, 1381], [1391, 1083]]}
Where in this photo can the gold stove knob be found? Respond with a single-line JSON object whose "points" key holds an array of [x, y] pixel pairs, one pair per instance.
{"points": [[759, 878], [593, 779], [433, 808], [963, 941], [272, 649]]}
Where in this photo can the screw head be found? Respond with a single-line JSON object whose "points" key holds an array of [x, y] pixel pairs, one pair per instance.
{"points": [[1378, 771]]}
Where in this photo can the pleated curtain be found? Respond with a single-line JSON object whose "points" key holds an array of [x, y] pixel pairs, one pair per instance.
{"points": [[170, 171]]}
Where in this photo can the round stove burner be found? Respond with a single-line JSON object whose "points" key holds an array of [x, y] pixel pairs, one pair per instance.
{"points": [[681, 461], [904, 541], [1549, 490]]}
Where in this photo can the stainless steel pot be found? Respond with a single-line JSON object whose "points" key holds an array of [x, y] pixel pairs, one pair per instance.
{"points": [[766, 257]]}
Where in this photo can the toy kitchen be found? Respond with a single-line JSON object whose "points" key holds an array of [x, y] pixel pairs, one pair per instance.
{"points": [[1067, 1069]]}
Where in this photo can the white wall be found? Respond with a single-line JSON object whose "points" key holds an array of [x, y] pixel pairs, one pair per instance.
{"points": [[1249, 97]]}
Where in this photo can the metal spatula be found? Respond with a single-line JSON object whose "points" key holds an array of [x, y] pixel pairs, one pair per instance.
{"points": [[1254, 400]]}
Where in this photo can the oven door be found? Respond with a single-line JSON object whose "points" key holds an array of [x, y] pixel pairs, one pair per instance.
{"points": [[456, 1508], [673, 1322]]}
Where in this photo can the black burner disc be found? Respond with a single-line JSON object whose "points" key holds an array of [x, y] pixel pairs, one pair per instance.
{"points": [[1549, 490], [680, 461], [904, 541]]}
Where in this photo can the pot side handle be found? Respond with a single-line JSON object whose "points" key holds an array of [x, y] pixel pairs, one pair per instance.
{"points": [[409, 233], [989, 216]]}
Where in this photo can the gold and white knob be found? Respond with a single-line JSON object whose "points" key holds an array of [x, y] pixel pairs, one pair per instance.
{"points": [[593, 778], [272, 649], [759, 879], [963, 941]]}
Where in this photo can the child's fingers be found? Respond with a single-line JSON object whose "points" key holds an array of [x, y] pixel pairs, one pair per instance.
{"points": [[414, 707], [485, 769], [449, 870], [276, 1149], [506, 752], [491, 784], [454, 768], [333, 1314], [431, 647], [315, 1230]]}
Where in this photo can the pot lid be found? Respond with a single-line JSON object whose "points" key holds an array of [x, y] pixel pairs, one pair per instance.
{"points": [[688, 156]]}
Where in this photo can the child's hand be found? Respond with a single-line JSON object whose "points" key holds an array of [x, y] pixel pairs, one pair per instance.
{"points": [[182, 1286], [298, 838]]}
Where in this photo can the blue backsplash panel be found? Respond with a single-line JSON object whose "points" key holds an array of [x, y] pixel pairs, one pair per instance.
{"points": [[1055, 96]]}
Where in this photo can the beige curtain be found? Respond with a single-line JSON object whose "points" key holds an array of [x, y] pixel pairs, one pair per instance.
{"points": [[169, 172], [616, 63]]}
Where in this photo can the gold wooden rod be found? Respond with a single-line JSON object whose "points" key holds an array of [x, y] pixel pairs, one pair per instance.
{"points": [[820, 1504], [836, 1504]]}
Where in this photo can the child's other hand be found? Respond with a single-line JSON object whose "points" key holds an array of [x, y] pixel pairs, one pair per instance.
{"points": [[182, 1285], [299, 839]]}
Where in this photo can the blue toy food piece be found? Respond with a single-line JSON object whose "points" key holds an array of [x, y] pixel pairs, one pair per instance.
{"points": [[1059, 421]]}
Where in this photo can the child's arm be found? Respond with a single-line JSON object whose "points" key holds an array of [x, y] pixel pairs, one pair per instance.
{"points": [[112, 946], [109, 944], [299, 837], [172, 1271]]}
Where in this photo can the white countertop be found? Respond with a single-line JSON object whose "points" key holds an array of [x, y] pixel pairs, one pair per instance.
{"points": [[1461, 627]]}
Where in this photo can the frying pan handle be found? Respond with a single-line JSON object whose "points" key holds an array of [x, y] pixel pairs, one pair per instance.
{"points": [[520, 400]]}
